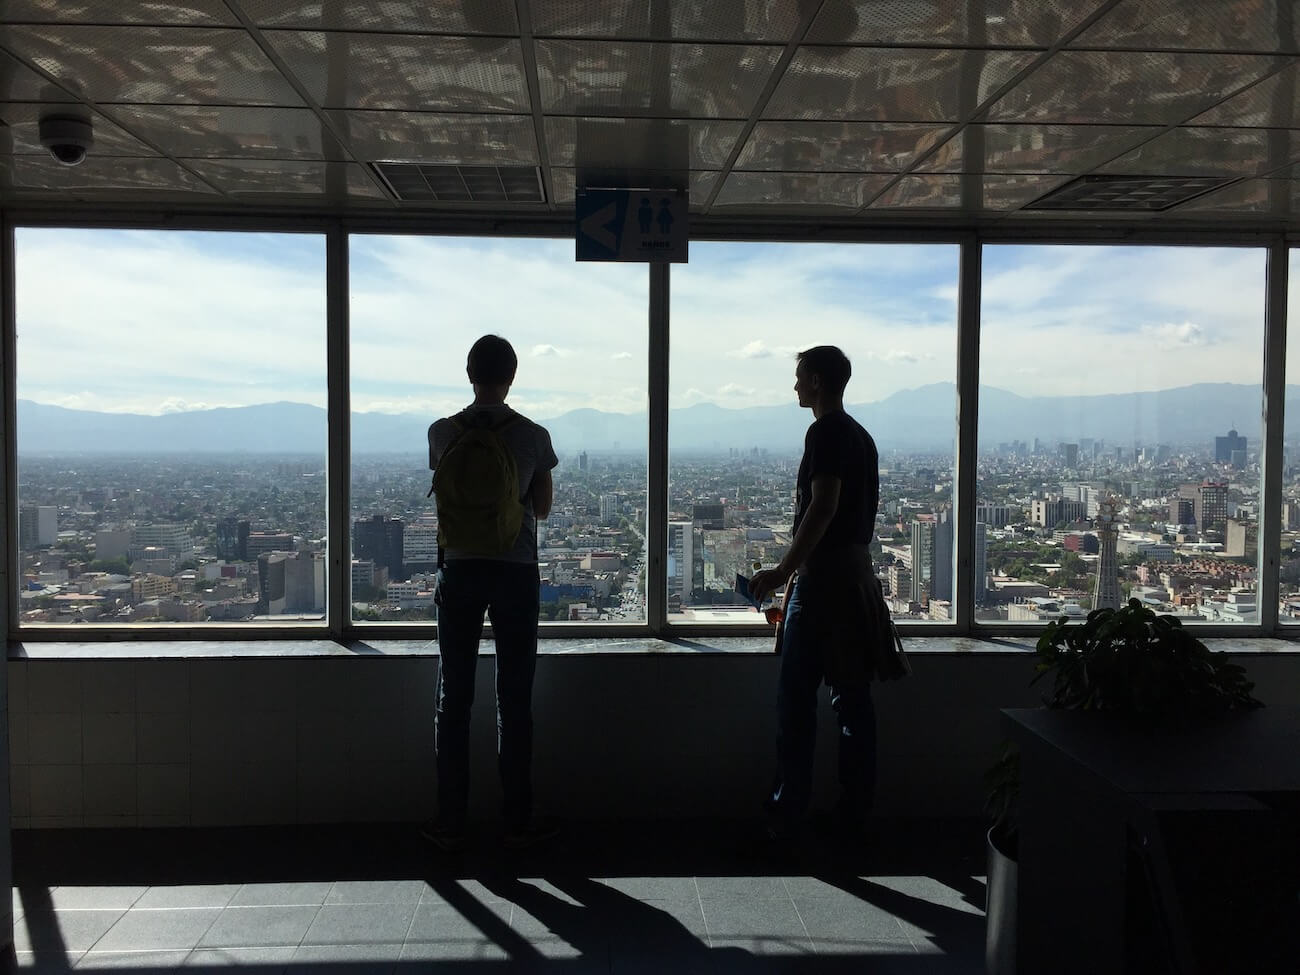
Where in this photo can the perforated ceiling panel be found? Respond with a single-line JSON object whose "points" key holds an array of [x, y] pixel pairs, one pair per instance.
{"points": [[879, 111]]}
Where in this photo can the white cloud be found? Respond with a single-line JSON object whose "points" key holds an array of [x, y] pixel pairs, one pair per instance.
{"points": [[622, 355], [1184, 333], [731, 390], [545, 350], [752, 350], [894, 356]]}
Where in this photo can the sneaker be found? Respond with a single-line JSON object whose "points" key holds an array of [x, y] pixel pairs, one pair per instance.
{"points": [[535, 832], [448, 839]]}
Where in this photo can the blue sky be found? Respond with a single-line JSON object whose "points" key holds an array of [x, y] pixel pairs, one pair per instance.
{"points": [[153, 322]]}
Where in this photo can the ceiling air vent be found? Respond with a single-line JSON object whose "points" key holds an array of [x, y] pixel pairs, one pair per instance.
{"points": [[428, 183], [1127, 192]]}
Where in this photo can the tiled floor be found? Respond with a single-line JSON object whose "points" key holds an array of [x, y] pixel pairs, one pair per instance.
{"points": [[625, 898]]}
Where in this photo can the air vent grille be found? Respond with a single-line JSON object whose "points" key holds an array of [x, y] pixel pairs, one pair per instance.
{"points": [[429, 183], [1127, 192]]}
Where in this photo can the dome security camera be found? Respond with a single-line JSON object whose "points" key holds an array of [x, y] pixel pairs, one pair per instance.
{"points": [[67, 137]]}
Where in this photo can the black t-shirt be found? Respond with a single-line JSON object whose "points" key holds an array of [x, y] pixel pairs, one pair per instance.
{"points": [[838, 445]]}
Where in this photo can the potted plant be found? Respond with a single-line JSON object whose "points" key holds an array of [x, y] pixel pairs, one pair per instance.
{"points": [[1128, 661]]}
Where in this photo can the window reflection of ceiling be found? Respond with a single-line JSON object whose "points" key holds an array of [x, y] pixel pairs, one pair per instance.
{"points": [[866, 111]]}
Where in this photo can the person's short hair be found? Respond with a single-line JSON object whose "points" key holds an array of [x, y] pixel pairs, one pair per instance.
{"points": [[830, 364], [491, 361]]}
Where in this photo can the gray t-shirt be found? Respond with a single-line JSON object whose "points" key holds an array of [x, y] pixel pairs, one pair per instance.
{"points": [[531, 446]]}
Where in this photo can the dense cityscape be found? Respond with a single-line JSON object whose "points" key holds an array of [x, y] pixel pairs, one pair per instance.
{"points": [[208, 538]]}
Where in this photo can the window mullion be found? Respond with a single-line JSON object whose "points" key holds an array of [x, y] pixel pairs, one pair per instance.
{"points": [[657, 461], [968, 351], [8, 455], [1270, 513], [338, 583]]}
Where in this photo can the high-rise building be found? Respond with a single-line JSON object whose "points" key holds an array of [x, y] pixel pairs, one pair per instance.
{"points": [[941, 571], [708, 516], [611, 505], [993, 515], [270, 583], [1182, 511], [1209, 504], [1070, 455], [899, 577], [1241, 539], [420, 544], [259, 543], [922, 557], [1226, 447], [175, 538], [582, 461], [379, 539], [681, 560], [232, 539], [1049, 512], [981, 562]]}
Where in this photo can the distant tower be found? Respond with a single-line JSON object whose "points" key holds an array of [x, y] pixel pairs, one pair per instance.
{"points": [[1106, 592]]}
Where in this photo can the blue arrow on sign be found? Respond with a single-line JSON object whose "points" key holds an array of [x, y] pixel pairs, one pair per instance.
{"points": [[600, 216]]}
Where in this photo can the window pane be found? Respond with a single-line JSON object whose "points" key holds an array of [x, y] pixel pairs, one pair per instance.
{"points": [[171, 426], [740, 314], [579, 331], [1119, 431]]}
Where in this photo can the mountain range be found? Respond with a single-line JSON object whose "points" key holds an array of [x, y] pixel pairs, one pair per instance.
{"points": [[913, 419]]}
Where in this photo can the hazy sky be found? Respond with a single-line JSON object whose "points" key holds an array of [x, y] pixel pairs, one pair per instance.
{"points": [[150, 322]]}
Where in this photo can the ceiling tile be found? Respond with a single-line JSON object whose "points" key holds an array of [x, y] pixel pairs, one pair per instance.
{"points": [[1141, 25], [890, 84], [235, 131], [702, 80], [411, 72], [201, 13], [996, 22], [98, 178], [1146, 88], [1273, 103], [21, 134], [1010, 192], [735, 21], [1211, 152], [147, 65], [768, 191], [18, 82], [709, 142], [931, 192], [329, 180], [699, 186], [857, 147], [464, 140], [467, 17], [1069, 149], [1274, 197]]}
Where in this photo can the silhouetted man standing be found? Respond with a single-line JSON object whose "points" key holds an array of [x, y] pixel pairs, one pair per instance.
{"points": [[473, 579], [835, 516]]}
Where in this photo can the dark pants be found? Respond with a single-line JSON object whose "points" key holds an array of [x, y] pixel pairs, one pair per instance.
{"points": [[803, 650], [508, 592]]}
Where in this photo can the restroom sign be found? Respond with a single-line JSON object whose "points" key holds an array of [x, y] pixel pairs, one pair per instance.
{"points": [[631, 225]]}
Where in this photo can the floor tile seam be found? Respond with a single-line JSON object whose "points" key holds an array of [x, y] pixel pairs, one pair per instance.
{"points": [[104, 934], [208, 929], [699, 900], [305, 930], [799, 915]]}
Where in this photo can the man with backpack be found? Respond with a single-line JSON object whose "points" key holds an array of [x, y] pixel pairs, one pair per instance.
{"points": [[492, 478]]}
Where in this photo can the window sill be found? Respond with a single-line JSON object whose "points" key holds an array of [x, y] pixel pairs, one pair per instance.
{"points": [[753, 646]]}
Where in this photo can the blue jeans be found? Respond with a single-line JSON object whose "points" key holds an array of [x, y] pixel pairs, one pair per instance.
{"points": [[508, 593], [803, 649]]}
